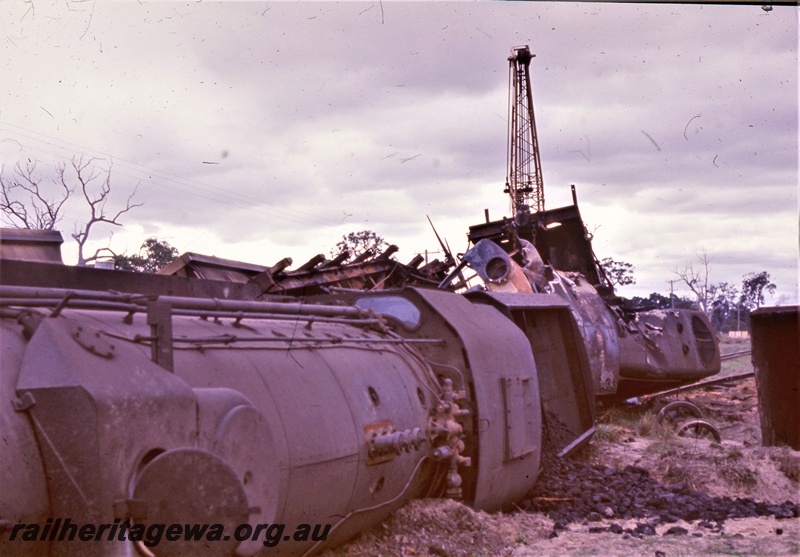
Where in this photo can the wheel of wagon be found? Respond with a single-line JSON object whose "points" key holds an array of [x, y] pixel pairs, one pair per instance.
{"points": [[699, 429], [678, 411]]}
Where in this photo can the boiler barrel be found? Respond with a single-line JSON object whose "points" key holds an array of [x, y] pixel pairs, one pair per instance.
{"points": [[776, 360]]}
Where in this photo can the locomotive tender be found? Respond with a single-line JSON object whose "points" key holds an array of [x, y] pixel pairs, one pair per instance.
{"points": [[138, 410]]}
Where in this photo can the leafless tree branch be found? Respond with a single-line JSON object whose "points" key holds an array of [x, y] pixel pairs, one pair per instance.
{"points": [[102, 253], [24, 201], [87, 174], [697, 279]]}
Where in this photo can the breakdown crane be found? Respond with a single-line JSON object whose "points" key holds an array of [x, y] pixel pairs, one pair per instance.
{"points": [[524, 181]]}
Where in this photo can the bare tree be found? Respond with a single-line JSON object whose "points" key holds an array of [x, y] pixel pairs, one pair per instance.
{"points": [[87, 177], [24, 201], [697, 280]]}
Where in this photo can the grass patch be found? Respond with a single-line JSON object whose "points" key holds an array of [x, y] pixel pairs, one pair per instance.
{"points": [[678, 472], [734, 454], [608, 433], [621, 417], [727, 548], [737, 474], [646, 424], [736, 470], [620, 421], [664, 433], [663, 448], [742, 364], [787, 462]]}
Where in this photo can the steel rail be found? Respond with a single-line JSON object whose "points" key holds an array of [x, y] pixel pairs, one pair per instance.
{"points": [[698, 385], [734, 355]]}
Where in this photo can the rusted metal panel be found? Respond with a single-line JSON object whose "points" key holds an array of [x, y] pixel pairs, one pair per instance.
{"points": [[598, 328], [776, 359], [22, 471], [196, 265], [495, 350], [69, 277], [31, 245], [665, 348], [562, 364], [519, 404], [83, 408]]}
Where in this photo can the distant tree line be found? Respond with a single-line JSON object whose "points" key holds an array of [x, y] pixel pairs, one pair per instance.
{"points": [[727, 305]]}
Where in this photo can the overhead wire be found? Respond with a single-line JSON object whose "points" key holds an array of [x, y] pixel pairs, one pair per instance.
{"points": [[228, 198], [159, 178]]}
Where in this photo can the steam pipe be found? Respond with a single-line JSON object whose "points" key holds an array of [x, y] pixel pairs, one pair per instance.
{"points": [[77, 303], [290, 308]]}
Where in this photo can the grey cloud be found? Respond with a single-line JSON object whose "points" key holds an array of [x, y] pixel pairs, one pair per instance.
{"points": [[311, 109]]}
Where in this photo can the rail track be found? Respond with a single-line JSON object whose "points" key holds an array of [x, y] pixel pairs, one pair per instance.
{"points": [[734, 355], [705, 383]]}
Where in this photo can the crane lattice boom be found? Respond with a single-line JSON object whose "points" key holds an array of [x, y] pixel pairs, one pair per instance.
{"points": [[524, 172]]}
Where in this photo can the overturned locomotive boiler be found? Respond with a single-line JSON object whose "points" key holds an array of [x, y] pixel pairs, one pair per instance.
{"points": [[631, 351], [162, 415]]}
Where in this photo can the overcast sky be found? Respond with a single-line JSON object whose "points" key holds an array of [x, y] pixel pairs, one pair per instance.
{"points": [[257, 131]]}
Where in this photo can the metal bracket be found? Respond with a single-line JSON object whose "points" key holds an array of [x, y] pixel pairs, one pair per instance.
{"points": [[372, 432], [159, 317], [24, 402], [94, 341]]}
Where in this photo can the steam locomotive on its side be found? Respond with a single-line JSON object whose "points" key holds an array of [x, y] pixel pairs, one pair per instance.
{"points": [[138, 410]]}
